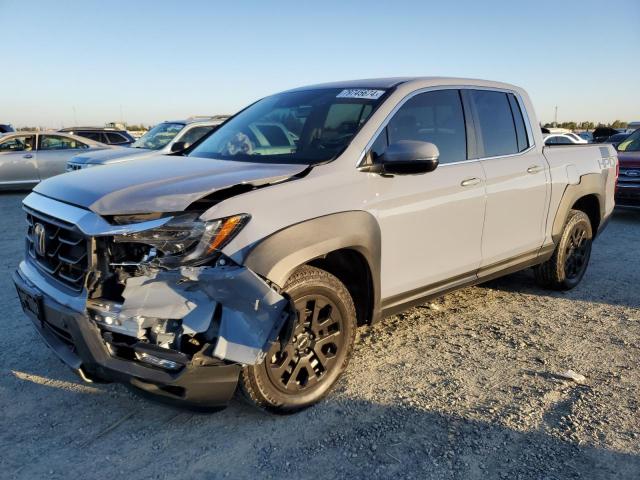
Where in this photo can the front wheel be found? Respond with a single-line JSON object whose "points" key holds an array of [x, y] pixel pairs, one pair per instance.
{"points": [[569, 261], [303, 372]]}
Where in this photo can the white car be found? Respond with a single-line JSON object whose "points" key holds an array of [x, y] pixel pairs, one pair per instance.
{"points": [[563, 139]]}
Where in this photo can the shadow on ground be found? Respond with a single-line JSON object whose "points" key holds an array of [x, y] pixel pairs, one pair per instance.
{"points": [[111, 430]]}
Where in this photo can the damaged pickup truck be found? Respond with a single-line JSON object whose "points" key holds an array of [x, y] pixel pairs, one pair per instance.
{"points": [[248, 261]]}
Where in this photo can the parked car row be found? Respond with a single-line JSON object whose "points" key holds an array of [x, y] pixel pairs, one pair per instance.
{"points": [[164, 138], [27, 158]]}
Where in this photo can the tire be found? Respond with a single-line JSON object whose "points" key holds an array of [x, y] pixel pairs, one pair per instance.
{"points": [[304, 372], [568, 264]]}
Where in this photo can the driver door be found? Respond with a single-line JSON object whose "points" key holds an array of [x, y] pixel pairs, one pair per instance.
{"points": [[431, 224], [18, 161]]}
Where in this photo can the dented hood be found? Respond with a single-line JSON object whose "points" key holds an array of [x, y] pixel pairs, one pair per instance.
{"points": [[162, 184]]}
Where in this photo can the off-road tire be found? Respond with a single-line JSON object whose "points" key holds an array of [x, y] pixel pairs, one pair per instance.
{"points": [[257, 384], [557, 273]]}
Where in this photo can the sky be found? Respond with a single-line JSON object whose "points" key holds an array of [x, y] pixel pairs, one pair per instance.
{"points": [[90, 62]]}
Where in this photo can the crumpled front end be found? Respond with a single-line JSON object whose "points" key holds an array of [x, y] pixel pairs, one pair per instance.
{"points": [[179, 329]]}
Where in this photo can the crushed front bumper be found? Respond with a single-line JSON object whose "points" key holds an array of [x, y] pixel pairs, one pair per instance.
{"points": [[79, 343]]}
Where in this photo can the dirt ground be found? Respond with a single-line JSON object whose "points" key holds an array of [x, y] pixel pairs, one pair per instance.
{"points": [[466, 387]]}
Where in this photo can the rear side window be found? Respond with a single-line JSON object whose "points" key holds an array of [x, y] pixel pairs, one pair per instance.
{"points": [[518, 120], [497, 131], [115, 138], [55, 142], [435, 117], [195, 134], [90, 135]]}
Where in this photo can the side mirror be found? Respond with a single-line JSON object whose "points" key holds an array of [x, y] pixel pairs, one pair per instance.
{"points": [[406, 157], [178, 147]]}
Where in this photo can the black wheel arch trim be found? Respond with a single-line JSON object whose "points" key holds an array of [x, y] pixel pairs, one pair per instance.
{"points": [[276, 256], [593, 184]]}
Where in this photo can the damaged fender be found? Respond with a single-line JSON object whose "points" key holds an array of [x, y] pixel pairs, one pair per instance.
{"points": [[252, 313]]}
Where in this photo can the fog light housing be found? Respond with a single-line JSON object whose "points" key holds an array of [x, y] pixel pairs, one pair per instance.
{"points": [[157, 361]]}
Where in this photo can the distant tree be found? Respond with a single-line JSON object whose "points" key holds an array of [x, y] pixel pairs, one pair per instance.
{"points": [[619, 124]]}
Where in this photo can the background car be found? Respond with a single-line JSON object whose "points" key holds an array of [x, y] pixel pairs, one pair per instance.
{"points": [[562, 139], [164, 138], [26, 158], [616, 139], [586, 136], [601, 134], [6, 128], [576, 137], [628, 191], [106, 135]]}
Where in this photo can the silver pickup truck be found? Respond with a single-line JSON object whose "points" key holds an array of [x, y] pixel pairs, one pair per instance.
{"points": [[309, 213]]}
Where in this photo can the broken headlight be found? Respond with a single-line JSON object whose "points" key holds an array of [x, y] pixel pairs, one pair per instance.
{"points": [[185, 239]]}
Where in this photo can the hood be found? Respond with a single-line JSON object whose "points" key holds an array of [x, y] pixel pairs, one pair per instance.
{"points": [[161, 184], [629, 159], [113, 155]]}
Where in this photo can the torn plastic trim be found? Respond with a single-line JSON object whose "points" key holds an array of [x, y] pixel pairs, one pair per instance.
{"points": [[252, 313]]}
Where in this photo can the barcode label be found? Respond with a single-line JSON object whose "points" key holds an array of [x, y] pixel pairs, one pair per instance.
{"points": [[360, 93]]}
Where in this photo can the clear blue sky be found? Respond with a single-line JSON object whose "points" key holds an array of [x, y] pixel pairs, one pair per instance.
{"points": [[169, 59]]}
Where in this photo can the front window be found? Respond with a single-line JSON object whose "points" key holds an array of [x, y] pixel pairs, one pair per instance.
{"points": [[631, 143], [22, 143], [303, 127], [159, 136]]}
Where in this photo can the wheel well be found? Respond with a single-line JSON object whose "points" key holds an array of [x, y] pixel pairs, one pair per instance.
{"points": [[590, 205], [352, 269]]}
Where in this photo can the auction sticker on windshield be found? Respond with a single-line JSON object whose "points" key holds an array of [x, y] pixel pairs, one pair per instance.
{"points": [[360, 93]]}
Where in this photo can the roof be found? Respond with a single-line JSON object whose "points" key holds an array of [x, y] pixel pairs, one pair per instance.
{"points": [[200, 119], [384, 83], [108, 129]]}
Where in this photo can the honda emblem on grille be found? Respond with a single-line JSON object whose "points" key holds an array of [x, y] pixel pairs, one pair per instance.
{"points": [[39, 239]]}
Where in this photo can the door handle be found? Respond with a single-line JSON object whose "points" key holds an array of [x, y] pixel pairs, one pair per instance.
{"points": [[28, 155], [469, 182], [534, 169]]}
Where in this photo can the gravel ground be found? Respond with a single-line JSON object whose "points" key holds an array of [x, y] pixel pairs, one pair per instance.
{"points": [[465, 387]]}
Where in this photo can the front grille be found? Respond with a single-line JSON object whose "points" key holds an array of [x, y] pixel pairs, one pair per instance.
{"points": [[58, 249], [629, 175]]}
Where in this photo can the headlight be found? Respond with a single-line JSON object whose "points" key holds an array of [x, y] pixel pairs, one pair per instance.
{"points": [[186, 239]]}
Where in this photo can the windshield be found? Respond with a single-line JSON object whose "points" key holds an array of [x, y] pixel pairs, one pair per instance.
{"points": [[303, 127], [159, 136], [631, 143]]}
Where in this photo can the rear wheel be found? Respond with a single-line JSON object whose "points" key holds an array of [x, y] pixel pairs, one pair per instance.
{"points": [[303, 372], [567, 266]]}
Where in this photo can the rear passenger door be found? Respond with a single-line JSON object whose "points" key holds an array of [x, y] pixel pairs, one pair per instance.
{"points": [[54, 151], [431, 224], [517, 178]]}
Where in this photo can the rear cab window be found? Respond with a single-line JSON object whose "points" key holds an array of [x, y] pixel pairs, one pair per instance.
{"points": [[494, 123]]}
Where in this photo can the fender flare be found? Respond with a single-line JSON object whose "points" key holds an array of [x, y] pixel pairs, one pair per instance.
{"points": [[590, 184], [276, 256]]}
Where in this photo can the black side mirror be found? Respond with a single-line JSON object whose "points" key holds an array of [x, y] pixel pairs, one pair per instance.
{"points": [[178, 147], [406, 157]]}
